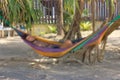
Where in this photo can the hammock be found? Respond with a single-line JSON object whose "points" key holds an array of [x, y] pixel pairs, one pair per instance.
{"points": [[93, 39]]}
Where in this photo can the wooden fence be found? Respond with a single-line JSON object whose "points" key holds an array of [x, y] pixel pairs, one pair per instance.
{"points": [[101, 9], [48, 8]]}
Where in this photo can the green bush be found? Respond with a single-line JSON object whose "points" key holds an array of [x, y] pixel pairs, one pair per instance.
{"points": [[85, 25], [52, 28]]}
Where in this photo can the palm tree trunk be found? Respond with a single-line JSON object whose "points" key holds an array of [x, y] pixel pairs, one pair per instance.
{"points": [[93, 14], [111, 14], [75, 28], [59, 11]]}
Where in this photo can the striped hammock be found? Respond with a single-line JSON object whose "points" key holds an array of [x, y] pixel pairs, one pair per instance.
{"points": [[93, 39]]}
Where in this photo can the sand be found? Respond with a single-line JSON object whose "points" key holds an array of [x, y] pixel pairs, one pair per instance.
{"points": [[17, 63]]}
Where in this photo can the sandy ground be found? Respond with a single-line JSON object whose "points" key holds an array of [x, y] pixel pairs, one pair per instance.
{"points": [[16, 63]]}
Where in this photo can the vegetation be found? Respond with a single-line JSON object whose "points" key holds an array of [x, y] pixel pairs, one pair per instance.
{"points": [[52, 29], [18, 11], [85, 25]]}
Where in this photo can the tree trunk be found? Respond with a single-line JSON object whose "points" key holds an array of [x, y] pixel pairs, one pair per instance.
{"points": [[74, 31], [93, 14], [118, 3], [110, 10], [59, 12], [111, 14]]}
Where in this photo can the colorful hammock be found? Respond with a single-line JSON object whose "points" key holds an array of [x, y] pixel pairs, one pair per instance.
{"points": [[93, 39]]}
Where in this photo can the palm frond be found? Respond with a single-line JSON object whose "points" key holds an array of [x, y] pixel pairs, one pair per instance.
{"points": [[18, 11]]}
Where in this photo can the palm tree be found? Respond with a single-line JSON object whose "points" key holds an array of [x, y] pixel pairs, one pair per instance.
{"points": [[18, 11]]}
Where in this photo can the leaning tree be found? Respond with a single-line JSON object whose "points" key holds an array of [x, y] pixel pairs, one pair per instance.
{"points": [[96, 52]]}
